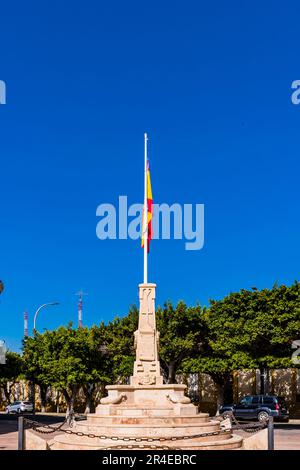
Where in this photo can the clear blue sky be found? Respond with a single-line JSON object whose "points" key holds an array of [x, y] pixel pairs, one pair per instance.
{"points": [[211, 84]]}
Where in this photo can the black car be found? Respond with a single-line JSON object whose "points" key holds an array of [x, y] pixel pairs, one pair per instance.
{"points": [[258, 407]]}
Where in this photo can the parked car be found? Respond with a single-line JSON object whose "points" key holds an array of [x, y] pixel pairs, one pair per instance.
{"points": [[258, 407], [19, 407]]}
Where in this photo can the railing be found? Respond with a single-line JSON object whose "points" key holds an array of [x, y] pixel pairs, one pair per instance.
{"points": [[137, 442], [254, 427]]}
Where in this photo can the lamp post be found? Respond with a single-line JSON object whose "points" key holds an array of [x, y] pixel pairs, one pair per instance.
{"points": [[48, 304], [32, 391]]}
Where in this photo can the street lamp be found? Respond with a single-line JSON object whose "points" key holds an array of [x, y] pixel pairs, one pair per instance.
{"points": [[32, 387], [40, 308]]}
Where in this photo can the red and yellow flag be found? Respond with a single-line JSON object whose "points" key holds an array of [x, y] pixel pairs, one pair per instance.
{"points": [[150, 210]]}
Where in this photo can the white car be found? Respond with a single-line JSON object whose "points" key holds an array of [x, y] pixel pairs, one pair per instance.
{"points": [[19, 407]]}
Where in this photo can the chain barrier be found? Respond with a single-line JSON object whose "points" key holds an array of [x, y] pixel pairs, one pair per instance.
{"points": [[247, 427], [250, 427], [138, 442], [69, 420], [36, 426], [139, 447]]}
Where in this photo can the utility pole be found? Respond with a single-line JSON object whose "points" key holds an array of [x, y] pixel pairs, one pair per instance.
{"points": [[80, 294], [25, 324]]}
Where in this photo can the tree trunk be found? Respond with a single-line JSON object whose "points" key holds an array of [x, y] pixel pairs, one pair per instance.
{"points": [[88, 392], [220, 380], [7, 390], [264, 381], [57, 401], [43, 396], [172, 373], [70, 398], [71, 406], [220, 396], [228, 389], [32, 394], [68, 401], [102, 390], [88, 405]]}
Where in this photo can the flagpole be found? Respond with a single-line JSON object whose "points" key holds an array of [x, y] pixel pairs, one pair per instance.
{"points": [[145, 221]]}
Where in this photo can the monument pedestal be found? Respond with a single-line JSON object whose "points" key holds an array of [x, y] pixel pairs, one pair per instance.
{"points": [[147, 413], [164, 395], [146, 369]]}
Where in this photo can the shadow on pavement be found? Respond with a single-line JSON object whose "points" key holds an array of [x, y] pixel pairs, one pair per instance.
{"points": [[287, 426], [9, 423]]}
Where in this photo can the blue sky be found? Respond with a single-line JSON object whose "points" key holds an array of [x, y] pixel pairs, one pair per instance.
{"points": [[211, 84]]}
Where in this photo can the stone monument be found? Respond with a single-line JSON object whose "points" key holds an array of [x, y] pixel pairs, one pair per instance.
{"points": [[147, 413]]}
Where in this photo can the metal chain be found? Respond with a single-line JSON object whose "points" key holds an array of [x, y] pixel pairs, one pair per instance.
{"points": [[70, 418], [147, 447], [35, 425], [247, 427]]}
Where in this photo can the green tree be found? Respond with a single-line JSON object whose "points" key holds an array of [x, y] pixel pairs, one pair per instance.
{"points": [[97, 364], [181, 336], [180, 331], [247, 330], [66, 359], [118, 344], [10, 373], [33, 353]]}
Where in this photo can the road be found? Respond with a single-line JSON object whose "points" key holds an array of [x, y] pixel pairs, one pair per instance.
{"points": [[287, 435]]}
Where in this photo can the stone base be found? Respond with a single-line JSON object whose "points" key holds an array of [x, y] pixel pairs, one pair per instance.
{"points": [[34, 442], [147, 417], [164, 395], [258, 441]]}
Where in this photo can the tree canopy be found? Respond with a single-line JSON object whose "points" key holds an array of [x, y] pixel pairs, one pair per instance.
{"points": [[66, 358], [181, 331], [10, 372], [248, 330]]}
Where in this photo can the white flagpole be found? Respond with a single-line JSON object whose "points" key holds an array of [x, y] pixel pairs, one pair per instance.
{"points": [[145, 221]]}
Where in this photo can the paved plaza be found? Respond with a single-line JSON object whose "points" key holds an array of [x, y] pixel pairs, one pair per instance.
{"points": [[287, 435]]}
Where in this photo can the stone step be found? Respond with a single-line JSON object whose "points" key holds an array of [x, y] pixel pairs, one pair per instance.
{"points": [[135, 410], [146, 420], [155, 430], [231, 442], [217, 442]]}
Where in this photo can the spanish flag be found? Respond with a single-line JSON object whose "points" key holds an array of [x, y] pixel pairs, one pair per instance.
{"points": [[149, 209]]}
